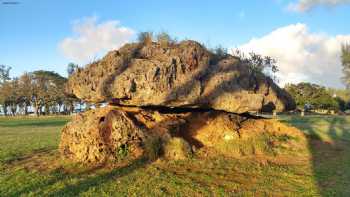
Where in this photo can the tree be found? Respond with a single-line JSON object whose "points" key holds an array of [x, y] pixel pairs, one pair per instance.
{"points": [[258, 64], [4, 87], [10, 97], [164, 39], [345, 59], [342, 96], [4, 73], [48, 92], [307, 94], [219, 53], [71, 68], [41, 90], [4, 96], [145, 38], [26, 91]]}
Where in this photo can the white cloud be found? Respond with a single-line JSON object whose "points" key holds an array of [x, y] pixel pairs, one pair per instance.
{"points": [[302, 55], [306, 5], [92, 39]]}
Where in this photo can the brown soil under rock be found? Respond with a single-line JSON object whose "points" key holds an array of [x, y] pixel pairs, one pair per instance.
{"points": [[115, 134]]}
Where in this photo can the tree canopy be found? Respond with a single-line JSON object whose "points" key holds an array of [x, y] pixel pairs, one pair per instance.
{"points": [[42, 91], [71, 68], [4, 73], [345, 59], [313, 95]]}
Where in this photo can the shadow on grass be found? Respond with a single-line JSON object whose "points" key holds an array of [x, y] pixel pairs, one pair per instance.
{"points": [[329, 144], [324, 155], [20, 157], [33, 123], [85, 184]]}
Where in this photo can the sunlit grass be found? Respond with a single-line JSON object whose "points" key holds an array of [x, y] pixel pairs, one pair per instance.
{"points": [[30, 166]]}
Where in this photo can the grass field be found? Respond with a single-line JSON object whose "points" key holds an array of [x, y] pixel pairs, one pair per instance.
{"points": [[30, 166]]}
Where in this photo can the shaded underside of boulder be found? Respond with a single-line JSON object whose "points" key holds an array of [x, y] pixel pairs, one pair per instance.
{"points": [[177, 75], [111, 134]]}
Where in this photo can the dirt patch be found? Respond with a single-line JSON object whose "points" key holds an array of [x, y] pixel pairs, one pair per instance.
{"points": [[42, 161]]}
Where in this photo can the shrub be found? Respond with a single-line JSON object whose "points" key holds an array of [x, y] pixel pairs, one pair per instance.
{"points": [[153, 146], [163, 39], [145, 38], [122, 152], [219, 53], [258, 64]]}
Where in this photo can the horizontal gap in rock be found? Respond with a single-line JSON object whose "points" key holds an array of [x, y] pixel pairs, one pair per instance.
{"points": [[178, 110], [164, 109], [251, 116]]}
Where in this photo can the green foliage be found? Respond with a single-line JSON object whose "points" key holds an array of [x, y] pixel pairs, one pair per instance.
{"points": [[123, 151], [48, 89], [164, 39], [219, 53], [311, 94], [71, 68], [342, 96], [4, 73], [10, 96], [345, 59], [258, 64], [43, 90]]}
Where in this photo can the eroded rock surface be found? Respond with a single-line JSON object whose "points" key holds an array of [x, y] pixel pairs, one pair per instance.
{"points": [[176, 75], [173, 100], [116, 133], [100, 135]]}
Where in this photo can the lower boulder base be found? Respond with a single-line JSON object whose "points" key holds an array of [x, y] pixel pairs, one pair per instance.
{"points": [[115, 134], [177, 149]]}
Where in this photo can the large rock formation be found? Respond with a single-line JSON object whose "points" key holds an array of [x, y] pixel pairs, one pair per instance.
{"points": [[170, 100], [177, 75], [100, 135], [112, 134]]}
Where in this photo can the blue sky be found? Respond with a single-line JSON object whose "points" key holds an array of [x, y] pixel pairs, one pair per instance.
{"points": [[32, 31]]}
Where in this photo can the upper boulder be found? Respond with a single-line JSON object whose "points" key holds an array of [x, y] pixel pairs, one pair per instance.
{"points": [[176, 75]]}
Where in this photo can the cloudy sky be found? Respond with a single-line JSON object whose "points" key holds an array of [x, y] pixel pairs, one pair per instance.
{"points": [[303, 35]]}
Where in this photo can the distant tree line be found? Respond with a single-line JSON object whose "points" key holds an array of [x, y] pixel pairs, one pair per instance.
{"points": [[313, 96], [40, 92]]}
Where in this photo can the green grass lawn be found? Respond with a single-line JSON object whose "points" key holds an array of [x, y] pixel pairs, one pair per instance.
{"points": [[30, 166]]}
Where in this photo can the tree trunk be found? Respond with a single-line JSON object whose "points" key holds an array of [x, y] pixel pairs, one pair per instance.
{"points": [[5, 110], [25, 109], [47, 110], [13, 109], [71, 108], [59, 108], [36, 109]]}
